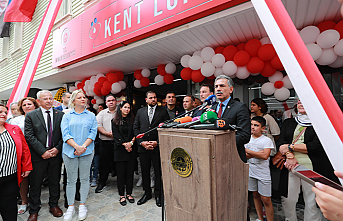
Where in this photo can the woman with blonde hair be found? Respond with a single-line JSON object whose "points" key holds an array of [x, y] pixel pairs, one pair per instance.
{"points": [[25, 105], [79, 128]]}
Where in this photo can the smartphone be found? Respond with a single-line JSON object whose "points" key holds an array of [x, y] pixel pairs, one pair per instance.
{"points": [[311, 177]]}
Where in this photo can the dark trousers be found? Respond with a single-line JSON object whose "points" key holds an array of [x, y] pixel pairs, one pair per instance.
{"points": [[146, 159], [9, 190], [53, 167], [106, 158], [125, 171]]}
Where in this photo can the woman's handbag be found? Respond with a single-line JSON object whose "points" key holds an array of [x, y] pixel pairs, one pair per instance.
{"points": [[279, 159]]}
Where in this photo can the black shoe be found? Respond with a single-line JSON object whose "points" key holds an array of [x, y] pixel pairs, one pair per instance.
{"points": [[158, 201], [66, 204], [144, 199], [130, 200], [100, 188], [77, 196], [122, 202]]}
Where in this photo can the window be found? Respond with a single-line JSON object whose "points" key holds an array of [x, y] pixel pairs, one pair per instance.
{"points": [[17, 40], [4, 51], [89, 3], [64, 14]]}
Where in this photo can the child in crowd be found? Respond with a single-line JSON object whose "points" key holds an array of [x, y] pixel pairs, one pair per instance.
{"points": [[257, 152]]}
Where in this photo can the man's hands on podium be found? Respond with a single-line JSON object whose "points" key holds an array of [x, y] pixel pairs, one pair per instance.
{"points": [[149, 145]]}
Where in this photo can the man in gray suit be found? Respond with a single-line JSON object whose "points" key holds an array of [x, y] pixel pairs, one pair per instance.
{"points": [[44, 137]]}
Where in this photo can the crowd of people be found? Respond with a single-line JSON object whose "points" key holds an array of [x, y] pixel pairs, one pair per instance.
{"points": [[37, 138]]}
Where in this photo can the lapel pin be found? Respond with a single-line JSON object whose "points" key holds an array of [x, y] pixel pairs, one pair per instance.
{"points": [[13, 132]]}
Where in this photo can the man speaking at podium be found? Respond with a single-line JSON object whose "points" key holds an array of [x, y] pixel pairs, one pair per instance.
{"points": [[235, 112]]}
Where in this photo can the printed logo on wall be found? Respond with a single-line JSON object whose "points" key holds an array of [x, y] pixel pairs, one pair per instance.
{"points": [[95, 29], [65, 36], [181, 162]]}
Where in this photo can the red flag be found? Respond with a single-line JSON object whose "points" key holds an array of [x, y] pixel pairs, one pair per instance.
{"points": [[20, 11]]}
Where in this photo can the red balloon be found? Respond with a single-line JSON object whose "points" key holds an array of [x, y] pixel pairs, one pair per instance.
{"points": [[219, 50], [120, 76], [168, 78], [268, 70], [255, 65], [161, 69], [186, 74], [93, 101], [104, 91], [241, 47], [197, 76], [266, 52], [211, 77], [252, 47], [101, 80], [97, 92], [276, 63], [136, 73], [97, 86], [326, 25], [339, 28], [79, 86], [229, 52], [83, 82], [106, 85], [241, 58], [112, 77], [139, 76], [278, 84], [145, 82]]}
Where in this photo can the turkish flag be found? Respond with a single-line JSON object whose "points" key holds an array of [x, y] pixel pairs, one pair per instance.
{"points": [[20, 11]]}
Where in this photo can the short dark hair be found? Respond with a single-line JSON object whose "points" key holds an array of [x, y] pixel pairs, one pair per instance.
{"points": [[103, 105], [210, 87], [260, 119], [191, 96], [65, 93], [109, 95], [170, 92], [149, 92], [2, 105], [262, 104]]}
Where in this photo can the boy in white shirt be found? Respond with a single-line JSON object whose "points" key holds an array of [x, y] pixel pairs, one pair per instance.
{"points": [[258, 151]]}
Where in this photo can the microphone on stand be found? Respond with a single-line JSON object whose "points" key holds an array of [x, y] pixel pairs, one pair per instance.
{"points": [[219, 124], [205, 118]]}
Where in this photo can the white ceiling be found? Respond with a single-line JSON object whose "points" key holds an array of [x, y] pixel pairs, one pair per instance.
{"points": [[232, 26]]}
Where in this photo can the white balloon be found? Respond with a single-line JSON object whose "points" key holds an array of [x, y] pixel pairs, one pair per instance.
{"points": [[287, 82], [99, 101], [170, 68], [93, 80], [207, 53], [218, 60], [315, 50], [122, 84], [145, 72], [338, 63], [96, 106], [309, 34], [91, 94], [77, 82], [242, 72], [90, 87], [99, 76], [72, 88], [159, 80], [278, 76], [282, 94], [116, 87], [197, 53], [207, 69], [195, 62], [339, 48], [137, 84], [87, 82], [218, 71], [327, 57], [328, 38], [229, 68], [268, 88], [184, 60], [265, 40], [96, 97]]}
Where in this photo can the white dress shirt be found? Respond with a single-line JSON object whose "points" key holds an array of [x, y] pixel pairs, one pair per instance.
{"points": [[45, 116]]}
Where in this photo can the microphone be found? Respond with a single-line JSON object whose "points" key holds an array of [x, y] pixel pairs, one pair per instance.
{"points": [[184, 124], [169, 125], [184, 119], [219, 124], [210, 100], [205, 118]]}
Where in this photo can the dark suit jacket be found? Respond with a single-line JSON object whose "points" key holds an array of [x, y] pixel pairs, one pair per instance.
{"points": [[237, 113], [142, 125], [60, 108], [36, 133], [120, 154]]}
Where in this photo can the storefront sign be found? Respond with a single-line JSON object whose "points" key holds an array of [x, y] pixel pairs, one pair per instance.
{"points": [[114, 23]]}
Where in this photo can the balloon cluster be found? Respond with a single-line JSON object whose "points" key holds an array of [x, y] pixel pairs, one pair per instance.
{"points": [[254, 57], [277, 85], [165, 75], [325, 43]]}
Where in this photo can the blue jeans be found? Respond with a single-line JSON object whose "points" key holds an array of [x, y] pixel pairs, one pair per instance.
{"points": [[73, 165], [95, 164]]}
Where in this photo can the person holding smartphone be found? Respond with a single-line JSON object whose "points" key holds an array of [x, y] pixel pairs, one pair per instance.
{"points": [[300, 144]]}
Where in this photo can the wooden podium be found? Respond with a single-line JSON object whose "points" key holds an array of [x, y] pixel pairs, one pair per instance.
{"points": [[217, 187]]}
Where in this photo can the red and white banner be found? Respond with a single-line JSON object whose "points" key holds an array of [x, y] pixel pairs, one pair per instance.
{"points": [[320, 105], [20, 11], [28, 70]]}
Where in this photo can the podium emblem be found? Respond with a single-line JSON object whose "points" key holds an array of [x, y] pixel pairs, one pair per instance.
{"points": [[181, 161]]}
